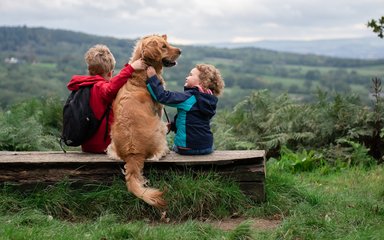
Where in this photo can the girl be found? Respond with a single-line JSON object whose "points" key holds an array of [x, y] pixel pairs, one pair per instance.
{"points": [[195, 107]]}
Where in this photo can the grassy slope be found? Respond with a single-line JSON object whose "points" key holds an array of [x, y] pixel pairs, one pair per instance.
{"points": [[343, 205], [348, 204]]}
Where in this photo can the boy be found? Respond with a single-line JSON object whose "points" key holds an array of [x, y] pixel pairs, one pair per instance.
{"points": [[195, 107], [101, 64]]}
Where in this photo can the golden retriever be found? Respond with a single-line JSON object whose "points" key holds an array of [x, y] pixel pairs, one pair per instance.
{"points": [[138, 133]]}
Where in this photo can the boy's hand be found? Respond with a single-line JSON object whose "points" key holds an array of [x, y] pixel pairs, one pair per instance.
{"points": [[139, 64], [151, 71]]}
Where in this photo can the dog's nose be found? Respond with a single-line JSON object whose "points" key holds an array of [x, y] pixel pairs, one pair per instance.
{"points": [[179, 51]]}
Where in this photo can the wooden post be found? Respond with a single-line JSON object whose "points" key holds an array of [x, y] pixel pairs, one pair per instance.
{"points": [[25, 168]]}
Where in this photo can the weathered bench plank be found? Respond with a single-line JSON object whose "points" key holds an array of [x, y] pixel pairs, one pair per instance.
{"points": [[245, 167]]}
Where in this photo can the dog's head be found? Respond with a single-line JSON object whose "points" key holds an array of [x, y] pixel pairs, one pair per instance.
{"points": [[156, 51]]}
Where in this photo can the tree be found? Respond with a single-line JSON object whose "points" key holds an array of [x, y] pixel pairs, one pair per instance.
{"points": [[377, 26]]}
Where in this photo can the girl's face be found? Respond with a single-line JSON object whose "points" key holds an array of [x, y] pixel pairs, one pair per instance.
{"points": [[192, 79]]}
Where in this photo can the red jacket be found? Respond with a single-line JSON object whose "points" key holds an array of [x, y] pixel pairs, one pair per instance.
{"points": [[102, 94]]}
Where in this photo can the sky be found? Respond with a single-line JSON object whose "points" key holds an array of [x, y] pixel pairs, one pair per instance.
{"points": [[200, 21]]}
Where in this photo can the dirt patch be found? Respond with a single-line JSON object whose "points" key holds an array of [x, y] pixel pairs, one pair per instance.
{"points": [[232, 223]]}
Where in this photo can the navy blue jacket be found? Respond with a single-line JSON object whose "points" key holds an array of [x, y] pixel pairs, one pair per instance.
{"points": [[194, 112]]}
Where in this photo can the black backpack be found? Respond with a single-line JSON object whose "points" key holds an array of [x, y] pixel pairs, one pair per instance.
{"points": [[79, 121]]}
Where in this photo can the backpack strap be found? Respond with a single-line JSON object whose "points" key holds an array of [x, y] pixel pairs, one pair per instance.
{"points": [[106, 114], [61, 145]]}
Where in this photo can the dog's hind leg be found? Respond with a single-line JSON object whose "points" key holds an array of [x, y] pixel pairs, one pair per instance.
{"points": [[111, 151], [159, 154], [161, 146]]}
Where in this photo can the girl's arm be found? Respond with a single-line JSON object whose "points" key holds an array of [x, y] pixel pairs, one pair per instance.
{"points": [[182, 100]]}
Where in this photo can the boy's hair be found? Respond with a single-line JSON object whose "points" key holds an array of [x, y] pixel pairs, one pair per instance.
{"points": [[210, 78], [100, 60]]}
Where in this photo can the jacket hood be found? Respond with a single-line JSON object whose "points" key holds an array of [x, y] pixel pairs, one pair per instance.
{"points": [[207, 102], [78, 81]]}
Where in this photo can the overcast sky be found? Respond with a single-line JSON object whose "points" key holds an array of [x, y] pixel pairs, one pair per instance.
{"points": [[199, 21]]}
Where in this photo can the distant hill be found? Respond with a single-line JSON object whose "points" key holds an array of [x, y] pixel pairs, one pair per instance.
{"points": [[39, 62], [48, 44], [360, 48]]}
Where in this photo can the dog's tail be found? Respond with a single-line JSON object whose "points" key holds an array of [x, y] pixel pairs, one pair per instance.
{"points": [[135, 182]]}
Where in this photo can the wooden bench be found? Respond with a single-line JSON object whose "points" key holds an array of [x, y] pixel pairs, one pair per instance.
{"points": [[24, 168]]}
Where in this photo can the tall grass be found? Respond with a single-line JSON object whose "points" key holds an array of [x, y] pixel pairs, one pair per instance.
{"points": [[190, 196], [345, 203]]}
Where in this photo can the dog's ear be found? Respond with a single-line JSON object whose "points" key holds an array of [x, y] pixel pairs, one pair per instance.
{"points": [[151, 52], [164, 37]]}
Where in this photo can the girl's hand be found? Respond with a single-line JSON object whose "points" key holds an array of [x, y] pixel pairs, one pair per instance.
{"points": [[151, 71]]}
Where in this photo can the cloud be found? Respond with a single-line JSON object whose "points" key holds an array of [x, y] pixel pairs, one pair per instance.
{"points": [[199, 21]]}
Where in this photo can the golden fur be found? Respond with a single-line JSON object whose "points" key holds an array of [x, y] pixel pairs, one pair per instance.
{"points": [[138, 133]]}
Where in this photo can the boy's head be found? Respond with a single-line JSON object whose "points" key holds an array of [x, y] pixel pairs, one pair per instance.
{"points": [[210, 78], [100, 61]]}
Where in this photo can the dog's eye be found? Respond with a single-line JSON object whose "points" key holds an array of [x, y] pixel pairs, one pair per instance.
{"points": [[164, 46]]}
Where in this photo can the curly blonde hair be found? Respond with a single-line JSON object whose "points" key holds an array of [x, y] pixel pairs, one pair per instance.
{"points": [[210, 78], [100, 60]]}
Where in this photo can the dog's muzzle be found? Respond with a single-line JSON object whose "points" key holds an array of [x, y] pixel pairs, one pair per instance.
{"points": [[168, 63]]}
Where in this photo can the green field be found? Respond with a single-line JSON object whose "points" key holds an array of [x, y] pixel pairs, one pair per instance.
{"points": [[286, 82], [377, 70]]}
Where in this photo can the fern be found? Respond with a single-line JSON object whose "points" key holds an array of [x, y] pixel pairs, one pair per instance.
{"points": [[269, 122], [29, 126]]}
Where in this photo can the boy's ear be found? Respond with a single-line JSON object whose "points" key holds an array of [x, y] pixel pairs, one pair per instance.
{"points": [[110, 74]]}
